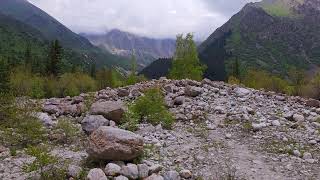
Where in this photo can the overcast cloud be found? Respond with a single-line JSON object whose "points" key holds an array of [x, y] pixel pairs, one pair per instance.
{"points": [[153, 18]]}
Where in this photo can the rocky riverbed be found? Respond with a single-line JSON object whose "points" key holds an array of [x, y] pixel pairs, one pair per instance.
{"points": [[222, 131]]}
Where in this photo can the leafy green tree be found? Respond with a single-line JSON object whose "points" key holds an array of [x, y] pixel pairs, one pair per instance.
{"points": [[236, 69], [186, 63], [55, 58], [4, 76]]}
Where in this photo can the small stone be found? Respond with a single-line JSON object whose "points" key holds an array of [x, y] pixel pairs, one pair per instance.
{"points": [[179, 100], [143, 170], [154, 177], [155, 169], [311, 161], [241, 92], [171, 175], [121, 178], [193, 91], [312, 142], [185, 174], [276, 123], [297, 153], [74, 171], [92, 122], [228, 136], [298, 118], [307, 156], [96, 174], [219, 109], [130, 171], [112, 169], [258, 127]]}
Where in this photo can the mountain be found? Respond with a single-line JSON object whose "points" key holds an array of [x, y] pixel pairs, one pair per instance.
{"points": [[50, 29], [123, 43], [272, 35], [157, 69]]}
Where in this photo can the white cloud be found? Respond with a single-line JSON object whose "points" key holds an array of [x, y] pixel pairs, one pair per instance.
{"points": [[154, 18]]}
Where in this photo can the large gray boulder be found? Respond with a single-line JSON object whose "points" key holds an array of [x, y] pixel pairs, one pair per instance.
{"points": [[112, 110], [96, 174], [92, 122], [108, 143]]}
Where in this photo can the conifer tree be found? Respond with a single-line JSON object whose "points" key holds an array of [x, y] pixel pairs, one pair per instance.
{"points": [[4, 76], [28, 56], [55, 57], [93, 70], [186, 63]]}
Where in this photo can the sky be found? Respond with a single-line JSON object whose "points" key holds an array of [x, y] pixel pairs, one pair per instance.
{"points": [[152, 18]]}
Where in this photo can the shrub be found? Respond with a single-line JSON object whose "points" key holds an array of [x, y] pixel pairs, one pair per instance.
{"points": [[46, 164], [69, 130], [24, 83], [233, 80], [150, 108]]}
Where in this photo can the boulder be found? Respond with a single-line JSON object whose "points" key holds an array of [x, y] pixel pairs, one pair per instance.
{"points": [[112, 169], [298, 118], [108, 143], [112, 110], [185, 174], [96, 174], [121, 178], [130, 171], [143, 171], [92, 122], [45, 119], [50, 109], [123, 92], [241, 92], [179, 100], [74, 171], [193, 91], [154, 177], [171, 175]]}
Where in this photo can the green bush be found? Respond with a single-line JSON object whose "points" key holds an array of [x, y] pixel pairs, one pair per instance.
{"points": [[150, 108], [72, 84], [45, 164], [24, 83]]}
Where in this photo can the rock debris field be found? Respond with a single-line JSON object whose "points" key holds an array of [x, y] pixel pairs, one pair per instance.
{"points": [[222, 131]]}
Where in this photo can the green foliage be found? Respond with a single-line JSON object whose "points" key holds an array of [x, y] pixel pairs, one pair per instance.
{"points": [[18, 124], [4, 76], [55, 58], [72, 84], [278, 9], [69, 130], [186, 63], [263, 80], [150, 108], [44, 163], [24, 83]]}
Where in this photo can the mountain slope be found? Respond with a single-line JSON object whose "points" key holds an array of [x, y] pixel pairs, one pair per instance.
{"points": [[51, 29], [272, 35], [122, 43], [14, 38]]}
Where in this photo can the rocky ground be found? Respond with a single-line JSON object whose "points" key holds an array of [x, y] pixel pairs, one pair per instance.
{"points": [[222, 131]]}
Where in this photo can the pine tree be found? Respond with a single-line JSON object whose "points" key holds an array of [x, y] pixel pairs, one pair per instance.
{"points": [[236, 69], [4, 76], [55, 57], [28, 56], [186, 63], [93, 70]]}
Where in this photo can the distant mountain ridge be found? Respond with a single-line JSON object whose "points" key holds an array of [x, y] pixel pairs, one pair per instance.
{"points": [[123, 43], [272, 35], [50, 29]]}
